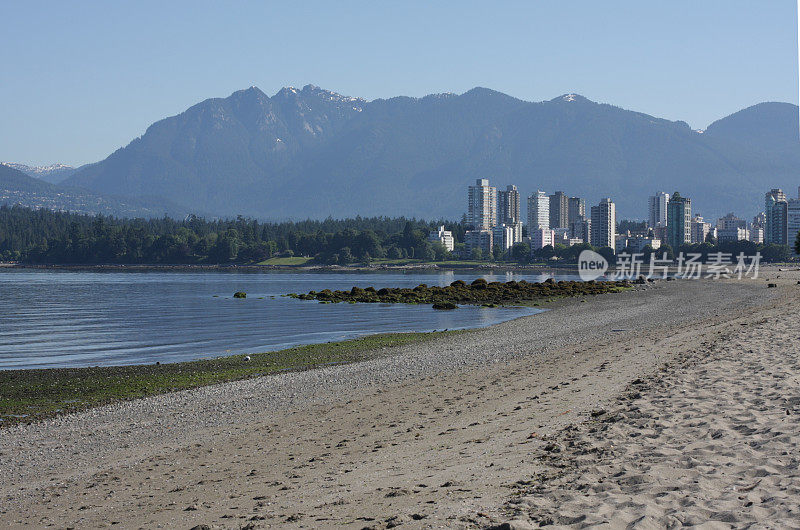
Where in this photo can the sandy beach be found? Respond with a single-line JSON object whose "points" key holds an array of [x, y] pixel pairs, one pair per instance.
{"points": [[674, 404]]}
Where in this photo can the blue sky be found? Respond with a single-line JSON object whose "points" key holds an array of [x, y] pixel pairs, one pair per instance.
{"points": [[81, 79]]}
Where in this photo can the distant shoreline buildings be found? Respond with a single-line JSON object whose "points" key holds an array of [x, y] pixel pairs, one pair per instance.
{"points": [[494, 223]]}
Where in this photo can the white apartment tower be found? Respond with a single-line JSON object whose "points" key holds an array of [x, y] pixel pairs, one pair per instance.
{"points": [[604, 224], [538, 211], [657, 207], [445, 237], [482, 205], [503, 236]]}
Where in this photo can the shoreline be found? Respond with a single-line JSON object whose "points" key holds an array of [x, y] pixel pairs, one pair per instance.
{"points": [[31, 395], [68, 390], [430, 436], [422, 267]]}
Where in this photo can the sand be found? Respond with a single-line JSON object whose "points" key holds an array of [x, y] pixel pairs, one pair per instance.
{"points": [[511, 423], [711, 439]]}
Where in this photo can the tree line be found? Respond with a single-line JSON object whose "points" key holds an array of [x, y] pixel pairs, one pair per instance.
{"points": [[45, 236]]}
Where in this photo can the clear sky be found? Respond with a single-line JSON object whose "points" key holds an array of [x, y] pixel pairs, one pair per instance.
{"points": [[81, 79]]}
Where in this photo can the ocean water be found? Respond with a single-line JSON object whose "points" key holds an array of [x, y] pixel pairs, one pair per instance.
{"points": [[57, 318]]}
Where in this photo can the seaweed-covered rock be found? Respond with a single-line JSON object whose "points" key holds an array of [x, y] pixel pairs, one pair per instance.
{"points": [[478, 292], [240, 294], [445, 305], [479, 284]]}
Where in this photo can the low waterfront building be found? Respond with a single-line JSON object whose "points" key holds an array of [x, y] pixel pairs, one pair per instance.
{"points": [[636, 243], [481, 239], [541, 237], [732, 234], [730, 221], [445, 237], [503, 236]]}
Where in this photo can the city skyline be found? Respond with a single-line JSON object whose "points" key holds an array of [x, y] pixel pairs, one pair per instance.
{"points": [[671, 222]]}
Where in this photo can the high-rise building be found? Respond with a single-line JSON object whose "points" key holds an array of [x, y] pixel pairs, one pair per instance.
{"points": [[482, 205], [445, 237], [657, 208], [660, 232], [679, 221], [576, 210], [508, 212], [581, 228], [559, 210], [700, 229], [792, 221], [604, 224], [538, 211], [776, 214], [756, 234], [517, 232]]}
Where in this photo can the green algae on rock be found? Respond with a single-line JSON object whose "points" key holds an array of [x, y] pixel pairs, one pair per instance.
{"points": [[490, 294]]}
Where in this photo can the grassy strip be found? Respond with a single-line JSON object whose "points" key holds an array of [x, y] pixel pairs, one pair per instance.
{"points": [[293, 261], [30, 395]]}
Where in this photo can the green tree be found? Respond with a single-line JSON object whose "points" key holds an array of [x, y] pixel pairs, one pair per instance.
{"points": [[608, 254], [521, 252]]}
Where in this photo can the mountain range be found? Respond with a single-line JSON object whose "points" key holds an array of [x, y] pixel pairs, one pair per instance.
{"points": [[53, 173], [314, 153], [18, 188]]}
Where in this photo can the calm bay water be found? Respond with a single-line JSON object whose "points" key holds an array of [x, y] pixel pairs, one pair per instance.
{"points": [[75, 318]]}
